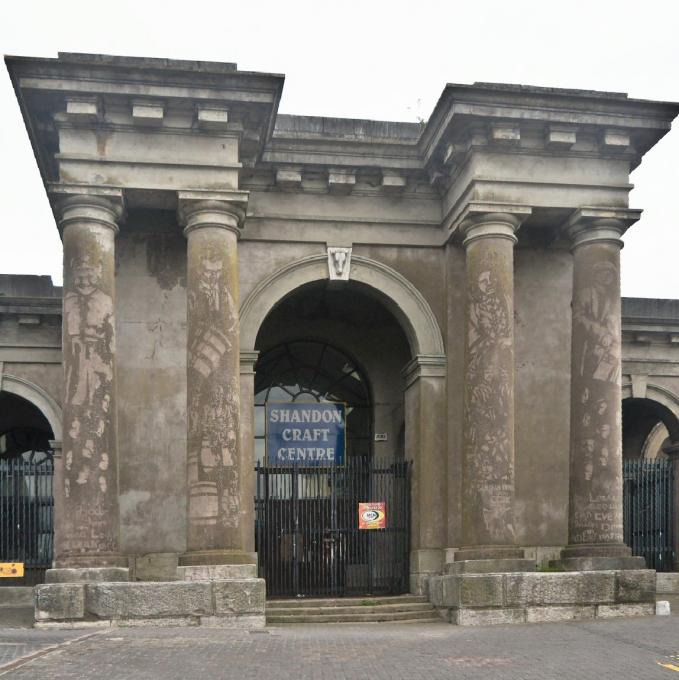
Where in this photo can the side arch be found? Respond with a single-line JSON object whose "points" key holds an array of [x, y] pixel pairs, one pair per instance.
{"points": [[667, 399], [397, 293], [36, 396]]}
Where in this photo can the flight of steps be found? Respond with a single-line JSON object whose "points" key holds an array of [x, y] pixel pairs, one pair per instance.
{"points": [[395, 609]]}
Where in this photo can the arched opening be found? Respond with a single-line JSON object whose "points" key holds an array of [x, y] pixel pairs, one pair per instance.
{"points": [[323, 345], [26, 502], [647, 426], [312, 371]]}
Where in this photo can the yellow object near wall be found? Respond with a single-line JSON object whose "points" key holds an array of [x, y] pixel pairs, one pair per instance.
{"points": [[11, 569]]}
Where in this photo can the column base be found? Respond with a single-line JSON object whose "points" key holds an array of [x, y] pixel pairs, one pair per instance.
{"points": [[489, 552], [87, 575], [598, 563], [196, 558], [597, 557], [496, 566], [95, 561]]}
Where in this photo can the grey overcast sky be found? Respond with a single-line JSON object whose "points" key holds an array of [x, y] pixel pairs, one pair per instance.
{"points": [[379, 59]]}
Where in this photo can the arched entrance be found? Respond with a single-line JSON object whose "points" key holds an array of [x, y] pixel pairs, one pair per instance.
{"points": [[26, 472], [416, 374], [324, 345], [650, 429]]}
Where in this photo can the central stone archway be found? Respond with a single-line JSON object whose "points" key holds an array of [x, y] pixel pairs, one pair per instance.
{"points": [[424, 390], [394, 290]]}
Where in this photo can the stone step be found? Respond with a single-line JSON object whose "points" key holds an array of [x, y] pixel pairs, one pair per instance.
{"points": [[405, 608], [400, 617], [366, 600]]}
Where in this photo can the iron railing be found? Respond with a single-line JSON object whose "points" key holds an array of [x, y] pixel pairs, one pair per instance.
{"points": [[307, 535], [26, 512], [648, 506]]}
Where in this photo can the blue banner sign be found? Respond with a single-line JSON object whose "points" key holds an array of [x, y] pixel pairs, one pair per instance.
{"points": [[305, 434]]}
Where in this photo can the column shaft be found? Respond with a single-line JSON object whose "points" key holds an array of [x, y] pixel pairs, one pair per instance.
{"points": [[87, 524], [488, 443], [595, 514], [214, 474]]}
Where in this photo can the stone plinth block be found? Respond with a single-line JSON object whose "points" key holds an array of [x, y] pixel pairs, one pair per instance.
{"points": [[217, 572], [608, 611], [598, 563], [89, 575], [490, 566], [484, 599], [156, 567], [148, 600], [244, 596], [635, 586], [60, 601], [487, 617], [436, 591], [667, 582], [552, 589]]}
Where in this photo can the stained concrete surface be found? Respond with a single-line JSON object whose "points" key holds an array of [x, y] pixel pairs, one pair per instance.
{"points": [[633, 648]]}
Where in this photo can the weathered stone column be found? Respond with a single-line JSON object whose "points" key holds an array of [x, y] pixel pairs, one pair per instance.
{"points": [[216, 515], [247, 447], [488, 439], [595, 531], [87, 517], [425, 433]]}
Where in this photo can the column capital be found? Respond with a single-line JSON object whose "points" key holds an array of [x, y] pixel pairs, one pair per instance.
{"points": [[492, 220], [248, 358], [600, 225], [217, 209], [424, 366], [78, 203]]}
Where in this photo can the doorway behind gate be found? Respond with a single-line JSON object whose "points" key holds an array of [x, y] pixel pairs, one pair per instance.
{"points": [[307, 531]]}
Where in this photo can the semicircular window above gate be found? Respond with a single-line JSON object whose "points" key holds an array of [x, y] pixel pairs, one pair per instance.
{"points": [[307, 371]]}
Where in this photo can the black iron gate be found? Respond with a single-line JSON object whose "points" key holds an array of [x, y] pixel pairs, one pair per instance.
{"points": [[648, 507], [26, 504], [307, 535]]}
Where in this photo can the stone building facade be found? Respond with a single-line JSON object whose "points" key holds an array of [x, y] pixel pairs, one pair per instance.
{"points": [[469, 266]]}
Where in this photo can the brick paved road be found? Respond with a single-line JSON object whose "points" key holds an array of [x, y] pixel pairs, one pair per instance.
{"points": [[588, 651]]}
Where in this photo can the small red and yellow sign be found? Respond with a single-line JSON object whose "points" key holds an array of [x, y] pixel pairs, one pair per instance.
{"points": [[11, 569], [372, 515]]}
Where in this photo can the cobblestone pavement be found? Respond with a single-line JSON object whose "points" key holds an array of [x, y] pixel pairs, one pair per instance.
{"points": [[620, 649]]}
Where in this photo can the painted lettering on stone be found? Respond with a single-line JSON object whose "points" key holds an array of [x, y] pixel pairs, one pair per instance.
{"points": [[596, 516]]}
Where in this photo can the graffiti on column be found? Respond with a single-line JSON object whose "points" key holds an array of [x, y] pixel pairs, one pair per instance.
{"points": [[88, 348], [488, 402], [214, 398], [597, 358]]}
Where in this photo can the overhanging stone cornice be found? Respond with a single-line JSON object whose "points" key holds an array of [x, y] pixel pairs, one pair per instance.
{"points": [[485, 113], [82, 110]]}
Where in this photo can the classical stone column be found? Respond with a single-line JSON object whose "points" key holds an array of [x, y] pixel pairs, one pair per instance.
{"points": [[86, 489], [595, 531], [247, 447], [488, 437], [425, 404], [216, 515]]}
